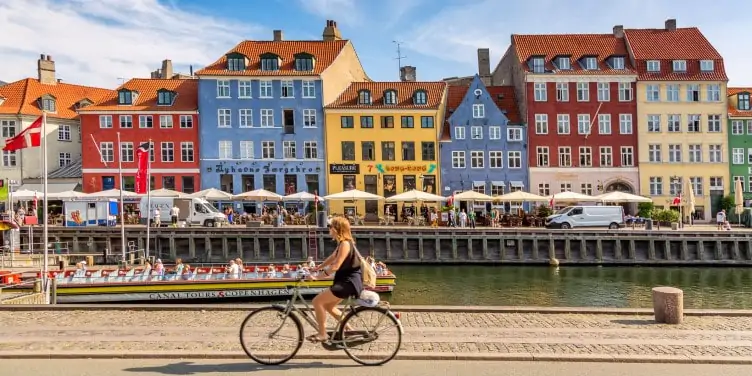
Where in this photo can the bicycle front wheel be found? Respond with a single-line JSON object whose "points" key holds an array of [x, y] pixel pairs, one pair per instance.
{"points": [[371, 336], [270, 337]]}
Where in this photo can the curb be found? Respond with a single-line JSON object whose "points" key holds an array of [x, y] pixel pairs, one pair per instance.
{"points": [[400, 308], [448, 356]]}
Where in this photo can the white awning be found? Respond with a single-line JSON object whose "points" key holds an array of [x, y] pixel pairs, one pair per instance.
{"points": [[517, 184], [479, 184], [51, 187], [497, 183]]}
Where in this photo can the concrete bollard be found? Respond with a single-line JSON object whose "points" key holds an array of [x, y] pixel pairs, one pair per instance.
{"points": [[668, 305], [38, 286]]}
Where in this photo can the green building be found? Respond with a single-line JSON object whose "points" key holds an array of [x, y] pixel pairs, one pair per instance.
{"points": [[740, 139]]}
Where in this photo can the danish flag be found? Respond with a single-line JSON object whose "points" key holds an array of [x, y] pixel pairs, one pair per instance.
{"points": [[30, 137]]}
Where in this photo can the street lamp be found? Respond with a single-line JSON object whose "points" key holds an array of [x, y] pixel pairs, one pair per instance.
{"points": [[677, 180]]}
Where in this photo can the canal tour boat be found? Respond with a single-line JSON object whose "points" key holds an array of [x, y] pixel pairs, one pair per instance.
{"points": [[211, 282]]}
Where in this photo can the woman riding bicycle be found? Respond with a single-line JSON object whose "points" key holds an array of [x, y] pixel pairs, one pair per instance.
{"points": [[348, 278]]}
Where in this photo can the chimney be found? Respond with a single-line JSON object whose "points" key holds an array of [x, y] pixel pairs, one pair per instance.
{"points": [[671, 24], [484, 63], [277, 35], [46, 70], [166, 71], [407, 74], [331, 32], [619, 31]]}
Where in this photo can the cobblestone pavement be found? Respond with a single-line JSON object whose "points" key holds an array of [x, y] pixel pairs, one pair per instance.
{"points": [[480, 333]]}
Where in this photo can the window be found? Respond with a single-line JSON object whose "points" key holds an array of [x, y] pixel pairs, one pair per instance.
{"points": [[714, 93], [749, 128], [347, 122], [591, 63], [583, 124], [656, 186], [494, 132], [586, 189], [428, 150], [539, 92], [126, 152], [617, 62], [269, 62], [368, 150], [187, 152], [348, 150], [542, 154], [265, 89], [426, 121], [693, 93], [716, 183], [653, 93], [539, 65], [268, 150], [737, 156], [458, 159], [105, 121], [479, 111], [716, 155], [476, 159], [604, 123], [7, 128], [586, 156], [289, 150], [606, 156], [165, 121], [654, 66], [267, 118], [562, 124], [224, 118], [235, 62], [366, 122], [562, 91], [706, 65], [63, 159], [714, 123], [168, 152], [9, 159], [287, 89], [186, 121], [476, 133], [514, 159], [565, 156], [387, 122], [223, 89], [407, 122], [675, 186], [697, 186], [655, 153], [125, 97], [459, 133], [126, 121], [654, 123], [310, 150], [387, 150], [604, 91], [627, 156], [625, 123], [675, 153], [165, 97], [390, 97], [749, 155], [145, 121], [408, 150], [625, 92], [680, 65], [225, 150], [244, 89], [674, 123], [420, 97], [672, 92], [544, 189], [497, 189], [309, 89], [563, 62], [152, 148], [742, 101], [245, 118], [364, 97], [108, 151], [495, 159], [309, 118], [303, 63], [583, 92], [693, 123], [63, 133], [541, 124], [738, 178], [479, 186], [514, 134], [565, 187]]}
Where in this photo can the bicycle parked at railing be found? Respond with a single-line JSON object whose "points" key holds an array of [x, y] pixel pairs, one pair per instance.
{"points": [[283, 322]]}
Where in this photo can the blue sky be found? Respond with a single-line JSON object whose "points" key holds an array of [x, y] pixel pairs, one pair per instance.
{"points": [[99, 42]]}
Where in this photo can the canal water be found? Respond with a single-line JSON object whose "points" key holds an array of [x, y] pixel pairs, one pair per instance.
{"points": [[569, 286]]}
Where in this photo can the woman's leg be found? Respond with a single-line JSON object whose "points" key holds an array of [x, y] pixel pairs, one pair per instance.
{"points": [[325, 302]]}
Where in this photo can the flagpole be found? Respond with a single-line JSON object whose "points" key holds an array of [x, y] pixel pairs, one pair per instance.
{"points": [[148, 196], [45, 232], [122, 204]]}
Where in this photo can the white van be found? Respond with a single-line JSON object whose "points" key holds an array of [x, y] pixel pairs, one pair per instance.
{"points": [[194, 211], [587, 216]]}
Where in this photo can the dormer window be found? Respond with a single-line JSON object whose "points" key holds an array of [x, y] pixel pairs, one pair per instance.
{"points": [[654, 66], [390, 97], [707, 65], [420, 97], [680, 65], [743, 101], [563, 62], [617, 62], [364, 97], [47, 103], [269, 62], [303, 62], [125, 97], [235, 62], [538, 65], [165, 97], [590, 63]]}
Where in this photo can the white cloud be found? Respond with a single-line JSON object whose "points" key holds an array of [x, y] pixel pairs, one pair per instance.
{"points": [[346, 11], [96, 41]]}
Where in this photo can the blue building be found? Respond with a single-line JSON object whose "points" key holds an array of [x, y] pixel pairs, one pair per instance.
{"points": [[484, 142], [261, 112]]}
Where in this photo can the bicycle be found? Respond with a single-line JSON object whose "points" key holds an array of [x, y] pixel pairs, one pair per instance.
{"points": [[339, 338]]}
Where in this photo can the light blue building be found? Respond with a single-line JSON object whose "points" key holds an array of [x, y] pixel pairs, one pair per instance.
{"points": [[484, 142]]}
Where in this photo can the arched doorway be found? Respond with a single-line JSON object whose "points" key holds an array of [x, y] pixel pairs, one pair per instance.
{"points": [[622, 186]]}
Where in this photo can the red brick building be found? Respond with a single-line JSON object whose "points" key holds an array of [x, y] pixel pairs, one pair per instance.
{"points": [[577, 94], [164, 111]]}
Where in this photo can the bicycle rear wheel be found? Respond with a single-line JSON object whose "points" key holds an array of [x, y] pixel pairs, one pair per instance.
{"points": [[262, 327], [375, 338]]}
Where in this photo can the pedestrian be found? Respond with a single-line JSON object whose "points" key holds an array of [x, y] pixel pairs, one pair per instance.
{"points": [[720, 219]]}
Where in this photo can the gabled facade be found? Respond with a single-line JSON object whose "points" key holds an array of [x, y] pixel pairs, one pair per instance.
{"points": [[483, 143], [261, 110], [164, 111], [382, 138], [740, 140], [21, 103], [681, 111], [576, 93]]}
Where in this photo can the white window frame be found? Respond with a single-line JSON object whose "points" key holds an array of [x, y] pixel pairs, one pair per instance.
{"points": [[514, 159], [125, 121], [266, 89], [458, 159], [538, 65], [654, 123], [565, 156], [655, 153], [167, 151], [675, 152], [127, 152], [653, 66], [308, 89], [245, 89], [476, 132], [64, 132], [105, 121], [165, 121], [707, 65], [737, 156], [107, 150], [617, 62], [225, 149], [223, 88], [310, 118], [246, 149], [653, 93], [186, 121], [585, 154], [563, 125], [543, 156], [715, 153], [268, 150], [695, 153], [583, 92], [626, 124], [8, 128], [187, 152], [289, 149], [494, 132], [64, 159], [477, 159], [286, 89], [604, 91], [713, 93], [224, 118], [541, 124], [714, 123], [539, 92], [310, 150], [674, 123], [606, 156], [267, 118], [591, 63], [679, 65], [673, 92], [479, 111], [583, 124], [144, 120], [627, 156], [562, 91], [625, 92], [245, 118], [656, 185], [495, 159], [514, 134], [459, 133], [10, 158], [604, 123]]}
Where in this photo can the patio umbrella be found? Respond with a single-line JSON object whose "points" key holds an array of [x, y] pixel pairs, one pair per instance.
{"points": [[520, 196], [690, 203], [353, 194], [25, 194], [415, 195], [738, 199], [302, 196], [569, 196], [212, 194], [113, 193], [258, 195], [617, 196], [164, 192], [66, 195], [472, 196]]}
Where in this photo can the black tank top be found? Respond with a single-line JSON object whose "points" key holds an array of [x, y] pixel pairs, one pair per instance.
{"points": [[349, 267]]}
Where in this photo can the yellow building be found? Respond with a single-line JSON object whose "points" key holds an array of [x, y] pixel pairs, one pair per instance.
{"points": [[382, 138], [681, 117]]}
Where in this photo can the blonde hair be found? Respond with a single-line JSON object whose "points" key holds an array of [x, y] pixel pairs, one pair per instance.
{"points": [[341, 227]]}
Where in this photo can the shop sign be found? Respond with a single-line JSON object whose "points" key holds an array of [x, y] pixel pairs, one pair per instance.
{"points": [[344, 168], [223, 169], [385, 169]]}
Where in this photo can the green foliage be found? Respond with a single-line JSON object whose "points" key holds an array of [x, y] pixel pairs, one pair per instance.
{"points": [[665, 215], [728, 203], [645, 209], [543, 211], [448, 208]]}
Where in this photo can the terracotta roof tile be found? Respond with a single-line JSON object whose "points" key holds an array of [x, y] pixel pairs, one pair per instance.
{"points": [[732, 110], [21, 98], [576, 46], [147, 88], [505, 100], [668, 45], [455, 95], [405, 90], [324, 53]]}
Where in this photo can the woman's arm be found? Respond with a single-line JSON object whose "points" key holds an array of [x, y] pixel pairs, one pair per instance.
{"points": [[327, 261]]}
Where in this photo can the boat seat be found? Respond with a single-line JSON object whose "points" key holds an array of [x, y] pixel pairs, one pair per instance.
{"points": [[130, 273], [96, 274]]}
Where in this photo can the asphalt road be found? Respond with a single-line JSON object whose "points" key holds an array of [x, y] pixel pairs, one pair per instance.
{"points": [[129, 367]]}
